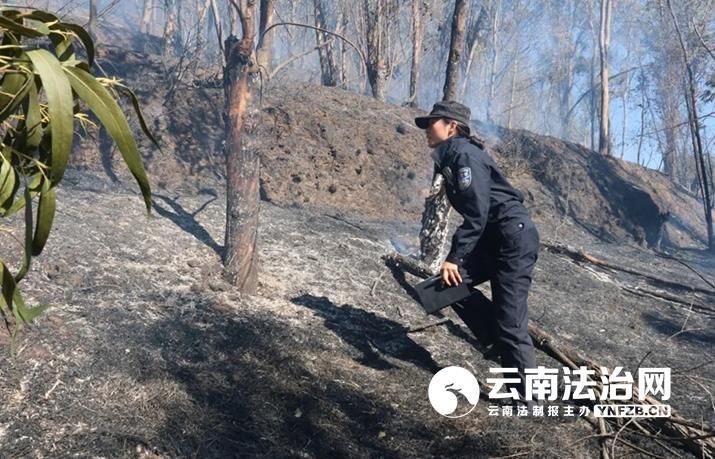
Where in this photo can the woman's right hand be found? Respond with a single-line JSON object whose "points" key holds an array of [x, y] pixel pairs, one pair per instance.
{"points": [[450, 274]]}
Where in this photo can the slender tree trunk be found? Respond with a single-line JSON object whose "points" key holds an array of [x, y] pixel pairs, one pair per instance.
{"points": [[494, 63], [625, 117], [147, 16], [476, 47], [264, 54], [512, 89], [456, 48], [642, 133], [417, 33], [604, 146], [377, 65], [240, 256], [92, 25], [171, 32], [217, 25], [203, 7], [326, 48], [233, 21], [594, 57], [343, 52]]}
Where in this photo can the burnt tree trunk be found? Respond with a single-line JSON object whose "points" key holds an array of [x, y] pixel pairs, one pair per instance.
{"points": [[433, 234], [456, 48], [240, 256], [329, 71], [377, 65]]}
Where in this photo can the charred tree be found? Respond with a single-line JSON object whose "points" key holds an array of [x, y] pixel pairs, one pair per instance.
{"points": [[240, 256], [329, 71], [456, 49], [433, 235], [376, 12]]}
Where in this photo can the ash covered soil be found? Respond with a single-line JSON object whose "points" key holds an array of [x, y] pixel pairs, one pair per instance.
{"points": [[147, 352]]}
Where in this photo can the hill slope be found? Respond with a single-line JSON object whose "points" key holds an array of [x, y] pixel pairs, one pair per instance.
{"points": [[327, 148]]}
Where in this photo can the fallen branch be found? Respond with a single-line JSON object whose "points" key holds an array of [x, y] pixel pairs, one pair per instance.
{"points": [[698, 273], [580, 256], [670, 298]]}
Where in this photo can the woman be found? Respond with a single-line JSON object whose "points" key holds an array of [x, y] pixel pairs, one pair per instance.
{"points": [[497, 240]]}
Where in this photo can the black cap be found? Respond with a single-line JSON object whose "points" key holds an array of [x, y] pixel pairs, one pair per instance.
{"points": [[446, 109]]}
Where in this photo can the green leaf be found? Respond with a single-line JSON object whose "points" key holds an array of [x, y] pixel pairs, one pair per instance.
{"points": [[83, 36], [110, 115], [13, 90], [28, 237], [33, 118], [45, 216], [59, 105], [8, 180], [16, 27], [137, 110], [7, 281]]}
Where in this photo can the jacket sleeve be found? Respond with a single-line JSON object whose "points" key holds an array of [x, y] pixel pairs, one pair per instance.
{"points": [[472, 182]]}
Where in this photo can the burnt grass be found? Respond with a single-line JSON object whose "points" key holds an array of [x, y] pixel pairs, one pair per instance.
{"points": [[147, 352]]}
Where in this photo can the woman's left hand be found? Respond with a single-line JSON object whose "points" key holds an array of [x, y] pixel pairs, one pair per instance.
{"points": [[450, 273]]}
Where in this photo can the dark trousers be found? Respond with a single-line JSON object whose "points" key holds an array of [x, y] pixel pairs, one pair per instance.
{"points": [[506, 258]]}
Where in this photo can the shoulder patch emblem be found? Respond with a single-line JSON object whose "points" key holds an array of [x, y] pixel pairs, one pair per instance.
{"points": [[464, 178]]}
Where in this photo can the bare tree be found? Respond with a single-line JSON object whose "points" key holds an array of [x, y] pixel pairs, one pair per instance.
{"points": [[147, 16], [456, 49], [491, 82], [92, 24], [171, 36], [604, 140], [376, 28], [329, 71], [694, 125], [417, 33], [240, 255], [475, 41], [264, 54]]}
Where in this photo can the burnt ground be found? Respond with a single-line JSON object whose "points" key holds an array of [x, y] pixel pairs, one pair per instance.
{"points": [[146, 352]]}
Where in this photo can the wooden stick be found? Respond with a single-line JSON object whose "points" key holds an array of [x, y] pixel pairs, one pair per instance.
{"points": [[429, 325]]}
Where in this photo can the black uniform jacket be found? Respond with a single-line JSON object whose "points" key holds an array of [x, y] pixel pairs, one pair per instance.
{"points": [[479, 192]]}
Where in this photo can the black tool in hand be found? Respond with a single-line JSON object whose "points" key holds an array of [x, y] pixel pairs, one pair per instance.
{"points": [[435, 295]]}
